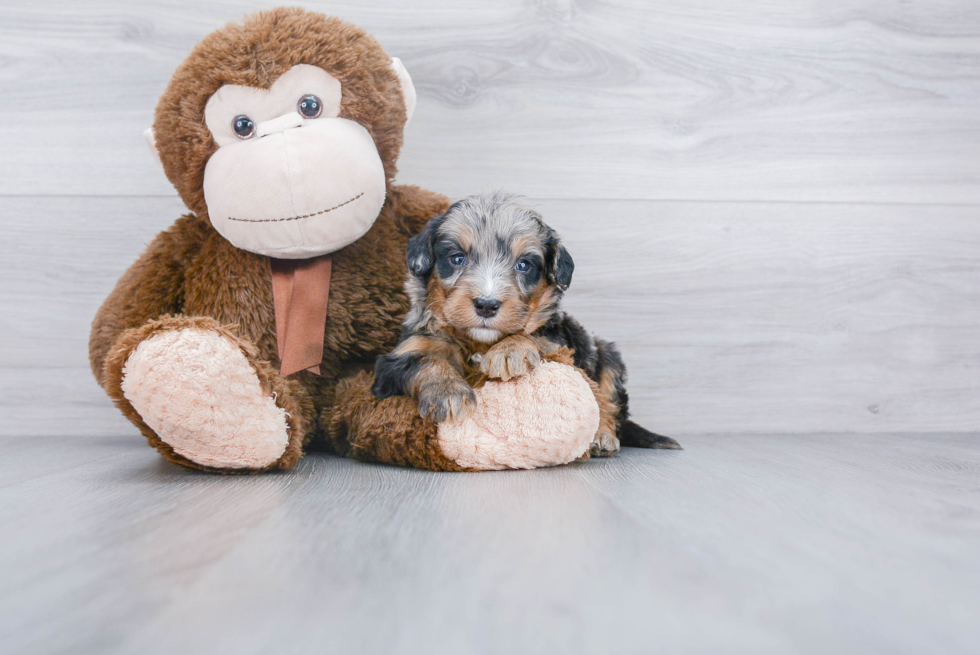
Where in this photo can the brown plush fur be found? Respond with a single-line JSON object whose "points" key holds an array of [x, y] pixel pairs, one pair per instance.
{"points": [[391, 430], [191, 273]]}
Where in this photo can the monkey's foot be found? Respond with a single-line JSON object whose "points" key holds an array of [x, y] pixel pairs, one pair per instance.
{"points": [[543, 418], [546, 417], [201, 396]]}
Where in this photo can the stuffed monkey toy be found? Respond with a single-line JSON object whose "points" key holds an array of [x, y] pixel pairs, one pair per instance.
{"points": [[227, 341]]}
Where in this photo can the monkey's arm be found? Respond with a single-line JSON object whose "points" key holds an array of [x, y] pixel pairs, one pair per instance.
{"points": [[416, 206], [429, 370], [149, 289]]}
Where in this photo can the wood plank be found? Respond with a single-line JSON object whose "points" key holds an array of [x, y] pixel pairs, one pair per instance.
{"points": [[784, 317], [733, 317], [749, 544], [842, 101]]}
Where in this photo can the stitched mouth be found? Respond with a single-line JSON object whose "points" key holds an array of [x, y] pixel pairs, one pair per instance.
{"points": [[295, 218]]}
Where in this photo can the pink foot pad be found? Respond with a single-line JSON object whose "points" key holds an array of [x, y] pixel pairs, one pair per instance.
{"points": [[199, 393], [545, 418]]}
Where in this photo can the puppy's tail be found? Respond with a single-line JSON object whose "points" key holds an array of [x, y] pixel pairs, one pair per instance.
{"points": [[631, 434]]}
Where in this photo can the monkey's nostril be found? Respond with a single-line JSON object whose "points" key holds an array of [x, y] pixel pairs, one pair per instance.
{"points": [[486, 307]]}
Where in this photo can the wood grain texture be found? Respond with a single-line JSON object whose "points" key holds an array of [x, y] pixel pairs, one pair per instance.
{"points": [[773, 208], [774, 317], [841, 100], [750, 544], [733, 317]]}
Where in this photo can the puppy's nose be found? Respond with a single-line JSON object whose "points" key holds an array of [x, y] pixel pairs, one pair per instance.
{"points": [[486, 307]]}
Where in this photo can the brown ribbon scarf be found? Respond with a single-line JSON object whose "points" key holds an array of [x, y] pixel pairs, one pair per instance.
{"points": [[300, 292]]}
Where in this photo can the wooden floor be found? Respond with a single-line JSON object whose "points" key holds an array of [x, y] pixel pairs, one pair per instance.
{"points": [[751, 544]]}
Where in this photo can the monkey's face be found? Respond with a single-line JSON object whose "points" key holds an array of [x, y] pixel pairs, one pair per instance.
{"points": [[284, 131], [290, 178], [490, 267]]}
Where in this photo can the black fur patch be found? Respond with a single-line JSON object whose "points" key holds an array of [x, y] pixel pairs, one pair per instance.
{"points": [[529, 279], [558, 261], [393, 373], [420, 255], [445, 250], [563, 330], [635, 436], [564, 268]]}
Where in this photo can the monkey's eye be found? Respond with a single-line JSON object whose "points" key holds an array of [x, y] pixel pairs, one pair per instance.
{"points": [[244, 127], [309, 106], [522, 266], [457, 260]]}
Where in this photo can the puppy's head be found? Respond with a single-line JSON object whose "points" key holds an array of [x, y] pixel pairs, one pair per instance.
{"points": [[488, 267]]}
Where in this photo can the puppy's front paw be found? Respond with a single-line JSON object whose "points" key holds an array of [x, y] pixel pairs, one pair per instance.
{"points": [[605, 444], [514, 356], [446, 400]]}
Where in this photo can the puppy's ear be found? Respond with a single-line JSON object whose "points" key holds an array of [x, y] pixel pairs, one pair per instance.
{"points": [[558, 262], [421, 249]]}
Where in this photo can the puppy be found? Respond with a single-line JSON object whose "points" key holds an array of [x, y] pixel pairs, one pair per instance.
{"points": [[485, 283]]}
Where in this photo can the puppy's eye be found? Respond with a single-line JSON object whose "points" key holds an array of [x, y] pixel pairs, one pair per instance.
{"points": [[309, 106], [243, 126], [522, 266], [457, 260]]}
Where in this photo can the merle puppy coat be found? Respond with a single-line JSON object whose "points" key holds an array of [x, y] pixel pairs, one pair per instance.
{"points": [[485, 283]]}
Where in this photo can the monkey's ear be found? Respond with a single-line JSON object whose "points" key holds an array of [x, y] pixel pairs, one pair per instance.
{"points": [[421, 249], [559, 263], [408, 89], [151, 140]]}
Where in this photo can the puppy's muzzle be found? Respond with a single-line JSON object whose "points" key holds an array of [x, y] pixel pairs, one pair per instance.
{"points": [[486, 307]]}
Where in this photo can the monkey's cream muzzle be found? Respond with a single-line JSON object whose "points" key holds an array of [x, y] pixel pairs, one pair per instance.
{"points": [[297, 189]]}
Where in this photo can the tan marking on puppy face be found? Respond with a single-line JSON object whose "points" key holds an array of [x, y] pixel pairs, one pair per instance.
{"points": [[524, 244], [491, 250], [464, 235], [459, 308]]}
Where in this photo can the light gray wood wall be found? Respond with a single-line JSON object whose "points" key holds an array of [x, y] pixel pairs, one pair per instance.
{"points": [[775, 206]]}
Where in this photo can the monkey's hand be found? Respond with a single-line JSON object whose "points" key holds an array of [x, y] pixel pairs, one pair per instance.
{"points": [[511, 357], [446, 399]]}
